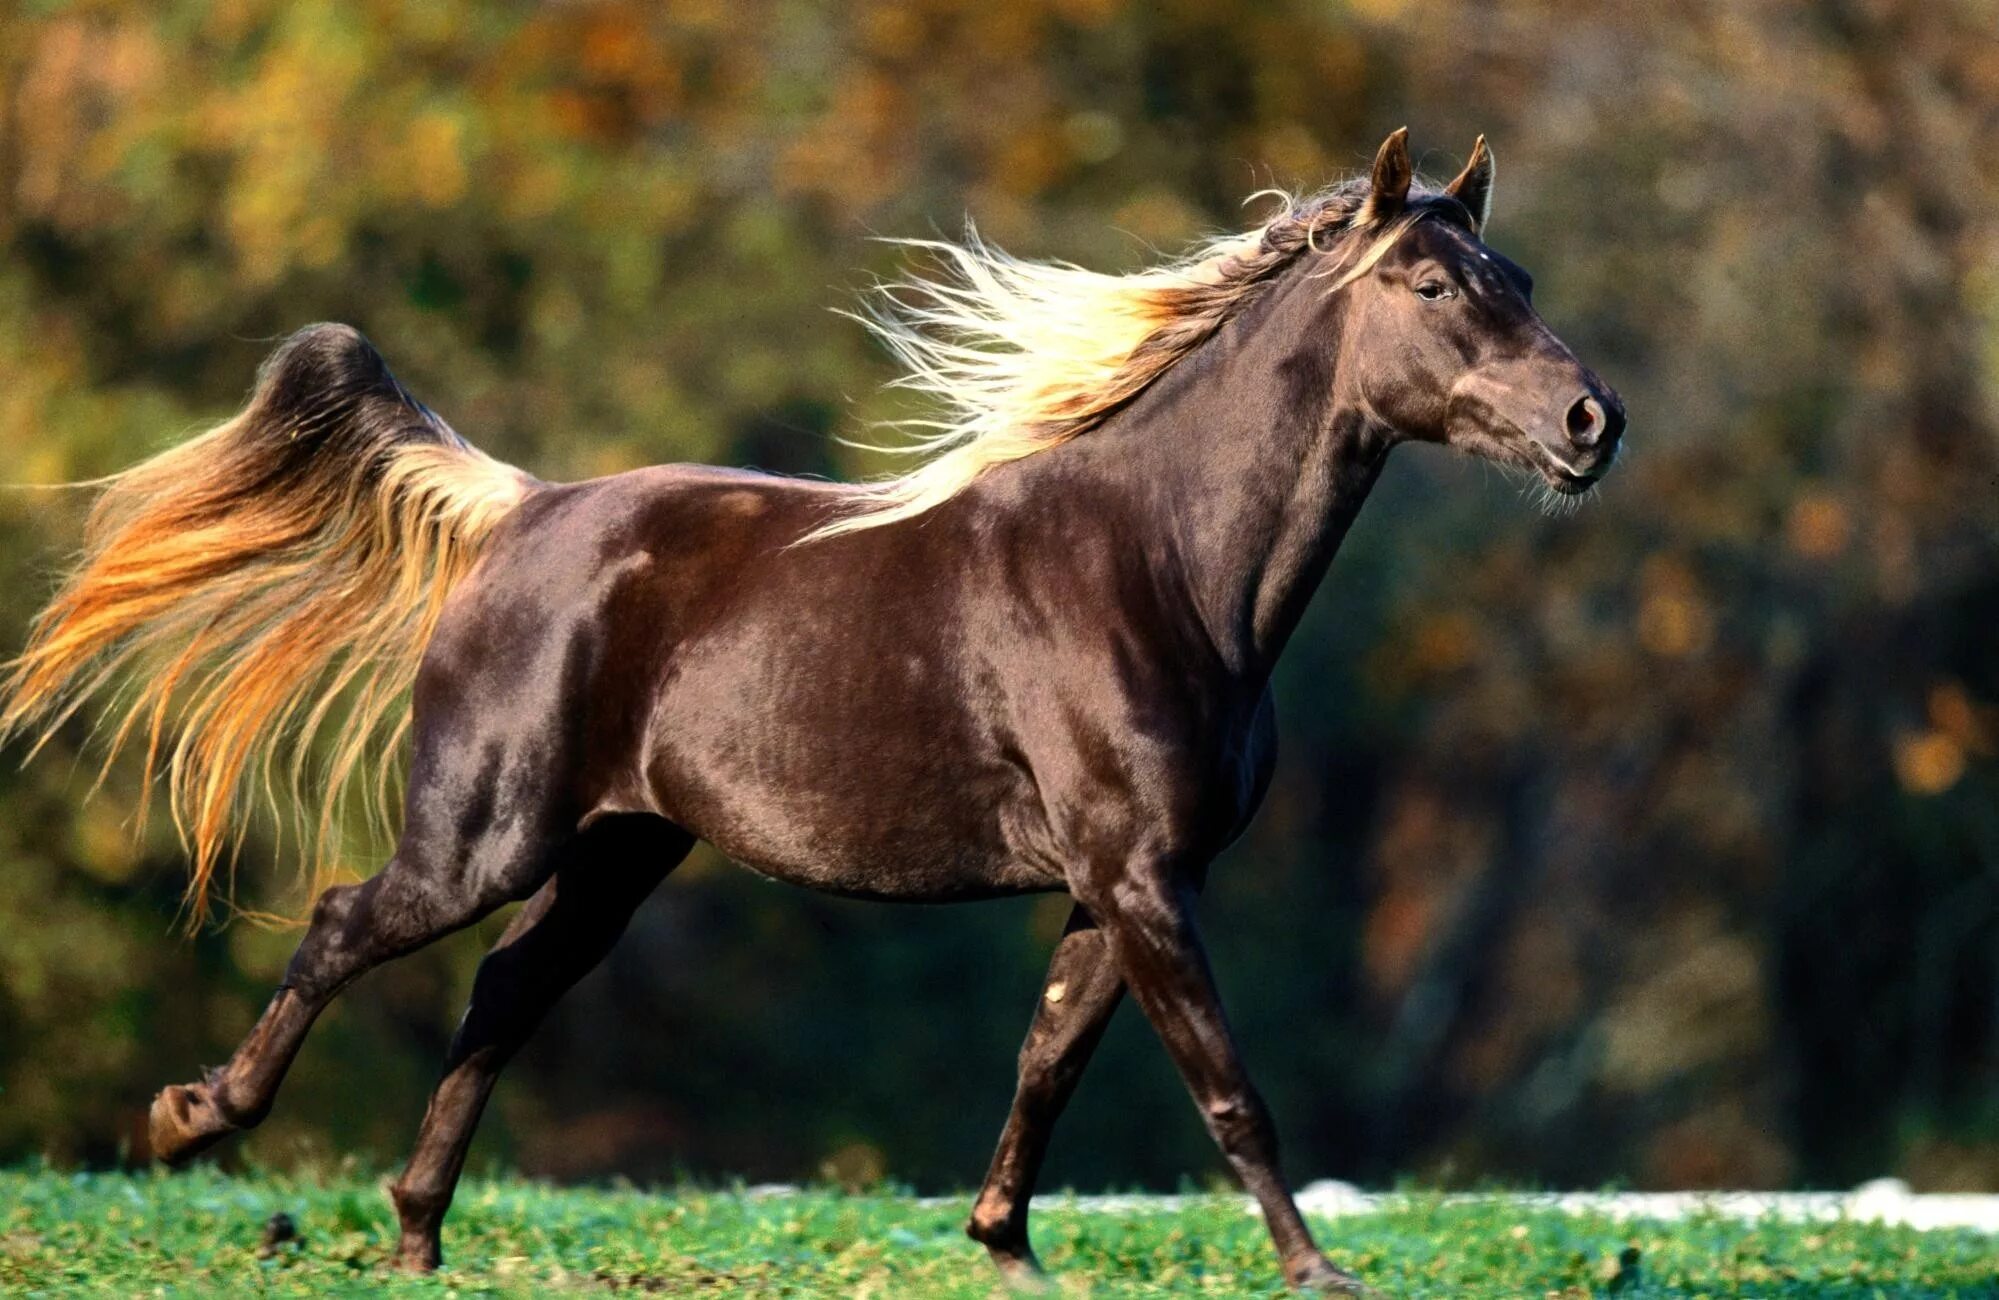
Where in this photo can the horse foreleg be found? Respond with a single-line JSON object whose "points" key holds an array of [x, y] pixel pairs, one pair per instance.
{"points": [[559, 936], [1082, 989], [1152, 935]]}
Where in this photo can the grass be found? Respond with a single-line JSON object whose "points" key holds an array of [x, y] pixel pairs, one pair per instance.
{"points": [[199, 1233]]}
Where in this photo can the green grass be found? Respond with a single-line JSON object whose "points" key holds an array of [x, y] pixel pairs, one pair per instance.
{"points": [[198, 1233]]}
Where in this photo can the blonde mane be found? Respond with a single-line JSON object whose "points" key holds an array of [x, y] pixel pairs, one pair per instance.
{"points": [[1021, 356]]}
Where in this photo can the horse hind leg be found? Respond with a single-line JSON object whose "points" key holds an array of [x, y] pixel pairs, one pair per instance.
{"points": [[440, 880], [564, 931]]}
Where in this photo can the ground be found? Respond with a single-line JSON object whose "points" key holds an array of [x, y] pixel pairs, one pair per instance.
{"points": [[205, 1233]]}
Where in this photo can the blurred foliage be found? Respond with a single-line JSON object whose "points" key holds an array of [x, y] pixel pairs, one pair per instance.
{"points": [[1658, 843]]}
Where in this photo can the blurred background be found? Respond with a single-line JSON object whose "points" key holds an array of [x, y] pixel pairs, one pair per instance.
{"points": [[1656, 845]]}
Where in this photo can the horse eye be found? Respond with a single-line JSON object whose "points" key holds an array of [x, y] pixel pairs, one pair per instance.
{"points": [[1434, 291]]}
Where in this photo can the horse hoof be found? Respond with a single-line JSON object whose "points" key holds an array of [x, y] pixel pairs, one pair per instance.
{"points": [[184, 1122], [1319, 1276], [416, 1256], [1022, 1273]]}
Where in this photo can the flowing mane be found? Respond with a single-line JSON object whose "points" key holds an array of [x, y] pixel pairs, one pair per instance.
{"points": [[1021, 356]]}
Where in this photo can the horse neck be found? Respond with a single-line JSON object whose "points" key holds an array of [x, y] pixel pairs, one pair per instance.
{"points": [[1251, 465]]}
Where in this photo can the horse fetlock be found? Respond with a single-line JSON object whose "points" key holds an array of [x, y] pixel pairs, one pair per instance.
{"points": [[420, 1208], [996, 1226]]}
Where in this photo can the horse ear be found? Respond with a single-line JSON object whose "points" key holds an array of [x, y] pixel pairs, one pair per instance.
{"points": [[1392, 173], [1473, 187]]}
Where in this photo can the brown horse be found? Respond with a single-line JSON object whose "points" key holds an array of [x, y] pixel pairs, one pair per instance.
{"points": [[1039, 662]]}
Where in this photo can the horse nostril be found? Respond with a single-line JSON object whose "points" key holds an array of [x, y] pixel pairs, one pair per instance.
{"points": [[1613, 420], [1585, 422]]}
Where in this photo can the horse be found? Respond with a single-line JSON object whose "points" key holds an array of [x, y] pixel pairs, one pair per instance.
{"points": [[1039, 661]]}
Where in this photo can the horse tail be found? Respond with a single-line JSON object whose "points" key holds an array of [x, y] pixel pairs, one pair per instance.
{"points": [[269, 587]]}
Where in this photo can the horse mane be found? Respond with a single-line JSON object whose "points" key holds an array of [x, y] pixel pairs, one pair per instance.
{"points": [[1021, 356]]}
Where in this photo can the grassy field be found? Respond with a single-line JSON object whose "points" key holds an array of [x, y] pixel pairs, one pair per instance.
{"points": [[201, 1233]]}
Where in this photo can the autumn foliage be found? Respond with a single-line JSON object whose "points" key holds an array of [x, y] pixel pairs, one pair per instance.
{"points": [[1657, 843]]}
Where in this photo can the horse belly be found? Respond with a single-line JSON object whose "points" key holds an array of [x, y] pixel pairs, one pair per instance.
{"points": [[895, 872], [871, 848], [921, 814]]}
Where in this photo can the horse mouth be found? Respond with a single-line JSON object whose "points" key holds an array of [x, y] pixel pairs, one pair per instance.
{"points": [[1568, 483], [1562, 477]]}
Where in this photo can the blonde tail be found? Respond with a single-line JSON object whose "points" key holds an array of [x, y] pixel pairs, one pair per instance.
{"points": [[268, 588]]}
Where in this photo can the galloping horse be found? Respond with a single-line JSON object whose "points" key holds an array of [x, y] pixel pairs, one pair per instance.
{"points": [[1040, 661]]}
